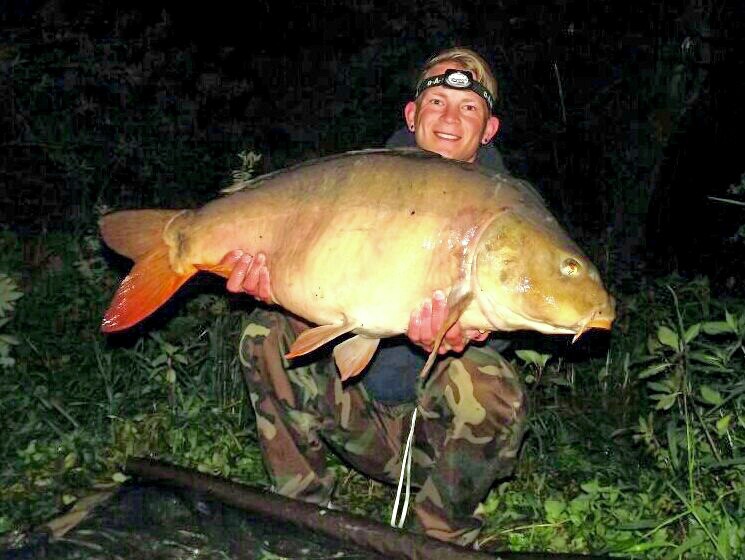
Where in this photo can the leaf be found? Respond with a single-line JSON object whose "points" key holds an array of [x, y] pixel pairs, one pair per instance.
{"points": [[689, 543], [592, 487], [723, 424], [119, 477], [653, 370], [661, 387], [554, 509], [692, 332], [666, 402], [67, 499], [672, 444], [710, 396], [8, 339], [8, 294], [705, 359], [716, 327], [159, 360], [668, 337], [731, 320], [533, 357], [724, 540], [556, 380], [709, 463]]}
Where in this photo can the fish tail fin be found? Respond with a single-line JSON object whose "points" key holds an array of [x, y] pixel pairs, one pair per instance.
{"points": [[135, 233], [150, 283]]}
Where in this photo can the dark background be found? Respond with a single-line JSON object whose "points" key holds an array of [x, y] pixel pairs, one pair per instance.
{"points": [[625, 114]]}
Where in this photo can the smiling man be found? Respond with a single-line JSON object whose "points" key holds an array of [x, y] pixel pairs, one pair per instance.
{"points": [[471, 410], [452, 112]]}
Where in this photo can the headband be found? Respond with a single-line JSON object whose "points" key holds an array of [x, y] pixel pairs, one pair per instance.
{"points": [[456, 79]]}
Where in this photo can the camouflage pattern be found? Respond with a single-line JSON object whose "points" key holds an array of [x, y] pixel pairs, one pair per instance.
{"points": [[469, 428]]}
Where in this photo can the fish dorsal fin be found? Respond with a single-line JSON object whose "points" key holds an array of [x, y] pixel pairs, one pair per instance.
{"points": [[149, 284], [458, 300], [316, 337], [353, 355]]}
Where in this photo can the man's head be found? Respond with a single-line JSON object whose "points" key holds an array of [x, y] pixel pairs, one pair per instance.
{"points": [[451, 121]]}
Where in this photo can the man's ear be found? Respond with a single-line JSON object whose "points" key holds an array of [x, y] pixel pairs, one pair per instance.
{"points": [[492, 126], [410, 114]]}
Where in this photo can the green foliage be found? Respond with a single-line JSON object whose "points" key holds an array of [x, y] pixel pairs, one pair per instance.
{"points": [[81, 405], [247, 169], [9, 294], [536, 360]]}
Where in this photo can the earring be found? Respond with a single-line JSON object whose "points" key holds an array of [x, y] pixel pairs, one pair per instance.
{"points": [[411, 128]]}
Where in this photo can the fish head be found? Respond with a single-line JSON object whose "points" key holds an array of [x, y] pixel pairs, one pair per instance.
{"points": [[528, 274]]}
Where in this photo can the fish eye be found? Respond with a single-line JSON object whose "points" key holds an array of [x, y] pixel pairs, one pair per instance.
{"points": [[570, 267]]}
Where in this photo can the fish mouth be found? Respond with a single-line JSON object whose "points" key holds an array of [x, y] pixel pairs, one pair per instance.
{"points": [[592, 323], [604, 324]]}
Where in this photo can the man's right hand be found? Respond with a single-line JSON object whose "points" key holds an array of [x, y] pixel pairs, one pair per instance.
{"points": [[250, 274], [425, 323]]}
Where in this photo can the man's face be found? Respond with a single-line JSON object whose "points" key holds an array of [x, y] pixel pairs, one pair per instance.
{"points": [[450, 122]]}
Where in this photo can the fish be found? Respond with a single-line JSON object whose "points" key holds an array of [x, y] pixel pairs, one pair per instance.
{"points": [[357, 241]]}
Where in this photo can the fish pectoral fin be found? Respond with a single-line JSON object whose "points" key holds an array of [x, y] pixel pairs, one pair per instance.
{"points": [[150, 283], [353, 355], [316, 337], [458, 300]]}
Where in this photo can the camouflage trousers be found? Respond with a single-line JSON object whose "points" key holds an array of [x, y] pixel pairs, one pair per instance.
{"points": [[471, 422]]}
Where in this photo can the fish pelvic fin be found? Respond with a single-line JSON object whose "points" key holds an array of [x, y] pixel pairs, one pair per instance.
{"points": [[135, 233], [458, 301], [316, 337], [150, 283], [353, 355]]}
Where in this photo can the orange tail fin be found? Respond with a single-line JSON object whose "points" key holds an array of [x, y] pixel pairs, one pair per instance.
{"points": [[138, 234], [148, 286]]}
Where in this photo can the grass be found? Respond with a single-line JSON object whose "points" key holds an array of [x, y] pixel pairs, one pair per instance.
{"points": [[637, 451]]}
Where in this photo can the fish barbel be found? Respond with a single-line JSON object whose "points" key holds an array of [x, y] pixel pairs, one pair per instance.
{"points": [[356, 242]]}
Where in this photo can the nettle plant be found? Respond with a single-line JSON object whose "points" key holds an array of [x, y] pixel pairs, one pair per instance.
{"points": [[695, 431], [695, 376]]}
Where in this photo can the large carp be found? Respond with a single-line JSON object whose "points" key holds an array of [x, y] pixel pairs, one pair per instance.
{"points": [[356, 242]]}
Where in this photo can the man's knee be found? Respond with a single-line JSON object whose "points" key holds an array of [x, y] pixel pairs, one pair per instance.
{"points": [[485, 392], [498, 389]]}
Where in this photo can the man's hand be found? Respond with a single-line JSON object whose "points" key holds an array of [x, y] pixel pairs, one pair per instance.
{"points": [[249, 274], [426, 323]]}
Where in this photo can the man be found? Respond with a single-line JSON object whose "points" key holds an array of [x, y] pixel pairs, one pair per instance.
{"points": [[471, 410]]}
